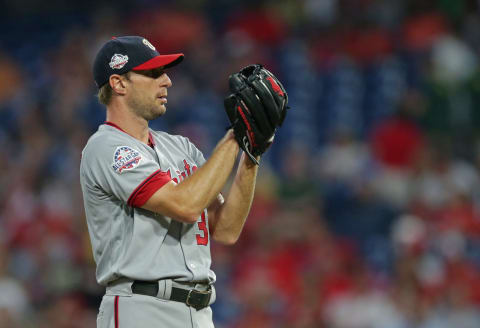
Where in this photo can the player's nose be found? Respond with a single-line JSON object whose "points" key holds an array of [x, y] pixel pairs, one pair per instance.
{"points": [[165, 81]]}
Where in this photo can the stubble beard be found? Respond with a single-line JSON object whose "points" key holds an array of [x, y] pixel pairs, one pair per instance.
{"points": [[144, 108]]}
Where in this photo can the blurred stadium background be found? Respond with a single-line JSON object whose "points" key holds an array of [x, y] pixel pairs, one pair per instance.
{"points": [[367, 211]]}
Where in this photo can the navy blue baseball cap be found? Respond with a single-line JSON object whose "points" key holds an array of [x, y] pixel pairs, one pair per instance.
{"points": [[129, 53]]}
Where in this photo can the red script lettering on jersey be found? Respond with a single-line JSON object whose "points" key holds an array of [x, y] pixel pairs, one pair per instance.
{"points": [[202, 239], [181, 175]]}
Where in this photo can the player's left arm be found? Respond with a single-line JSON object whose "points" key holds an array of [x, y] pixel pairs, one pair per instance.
{"points": [[226, 218]]}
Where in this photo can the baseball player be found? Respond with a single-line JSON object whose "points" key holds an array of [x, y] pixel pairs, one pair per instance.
{"points": [[152, 201]]}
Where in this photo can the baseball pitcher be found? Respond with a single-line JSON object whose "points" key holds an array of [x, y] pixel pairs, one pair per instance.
{"points": [[152, 201]]}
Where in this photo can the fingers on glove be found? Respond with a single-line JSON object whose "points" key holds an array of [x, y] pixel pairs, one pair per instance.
{"points": [[255, 107], [241, 85], [275, 85], [278, 92], [269, 89], [272, 109]]}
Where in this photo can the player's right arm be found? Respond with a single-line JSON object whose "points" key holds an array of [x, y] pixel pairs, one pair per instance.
{"points": [[186, 200]]}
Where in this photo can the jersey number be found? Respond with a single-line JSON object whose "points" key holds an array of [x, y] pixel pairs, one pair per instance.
{"points": [[202, 225]]}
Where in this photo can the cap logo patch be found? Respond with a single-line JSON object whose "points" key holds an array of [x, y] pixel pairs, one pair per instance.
{"points": [[148, 44], [125, 158], [118, 61]]}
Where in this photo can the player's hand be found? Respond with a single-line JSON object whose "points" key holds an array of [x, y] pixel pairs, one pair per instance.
{"points": [[230, 138], [229, 135]]}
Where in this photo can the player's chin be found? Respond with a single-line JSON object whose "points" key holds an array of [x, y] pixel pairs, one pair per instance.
{"points": [[162, 110], [159, 111], [154, 113]]}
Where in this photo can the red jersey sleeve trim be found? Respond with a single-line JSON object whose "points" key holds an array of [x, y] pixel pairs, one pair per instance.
{"points": [[148, 187]]}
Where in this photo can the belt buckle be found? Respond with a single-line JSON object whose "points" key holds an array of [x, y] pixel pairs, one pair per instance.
{"points": [[195, 291]]}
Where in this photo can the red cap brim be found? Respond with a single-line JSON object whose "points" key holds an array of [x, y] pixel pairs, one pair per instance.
{"points": [[159, 61]]}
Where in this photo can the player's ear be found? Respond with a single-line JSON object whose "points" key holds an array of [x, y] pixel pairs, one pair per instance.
{"points": [[118, 84]]}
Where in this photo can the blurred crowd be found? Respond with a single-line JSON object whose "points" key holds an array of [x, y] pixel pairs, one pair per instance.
{"points": [[367, 210]]}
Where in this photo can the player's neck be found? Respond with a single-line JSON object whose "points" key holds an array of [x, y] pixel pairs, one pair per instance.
{"points": [[133, 125]]}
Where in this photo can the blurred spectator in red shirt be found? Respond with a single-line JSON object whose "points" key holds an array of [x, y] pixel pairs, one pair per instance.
{"points": [[398, 141]]}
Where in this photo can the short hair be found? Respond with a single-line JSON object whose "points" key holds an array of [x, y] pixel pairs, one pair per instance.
{"points": [[105, 92]]}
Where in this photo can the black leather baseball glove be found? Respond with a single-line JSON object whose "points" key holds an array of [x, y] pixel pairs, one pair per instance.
{"points": [[256, 108]]}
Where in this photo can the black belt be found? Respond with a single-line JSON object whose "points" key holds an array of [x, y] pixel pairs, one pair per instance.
{"points": [[195, 298]]}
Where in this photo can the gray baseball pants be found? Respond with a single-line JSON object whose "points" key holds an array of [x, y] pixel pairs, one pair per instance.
{"points": [[120, 308]]}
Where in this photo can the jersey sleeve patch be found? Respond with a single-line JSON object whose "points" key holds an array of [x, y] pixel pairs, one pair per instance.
{"points": [[125, 159], [148, 187]]}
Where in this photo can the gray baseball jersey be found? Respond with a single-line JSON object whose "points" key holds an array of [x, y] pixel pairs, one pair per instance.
{"points": [[118, 174]]}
